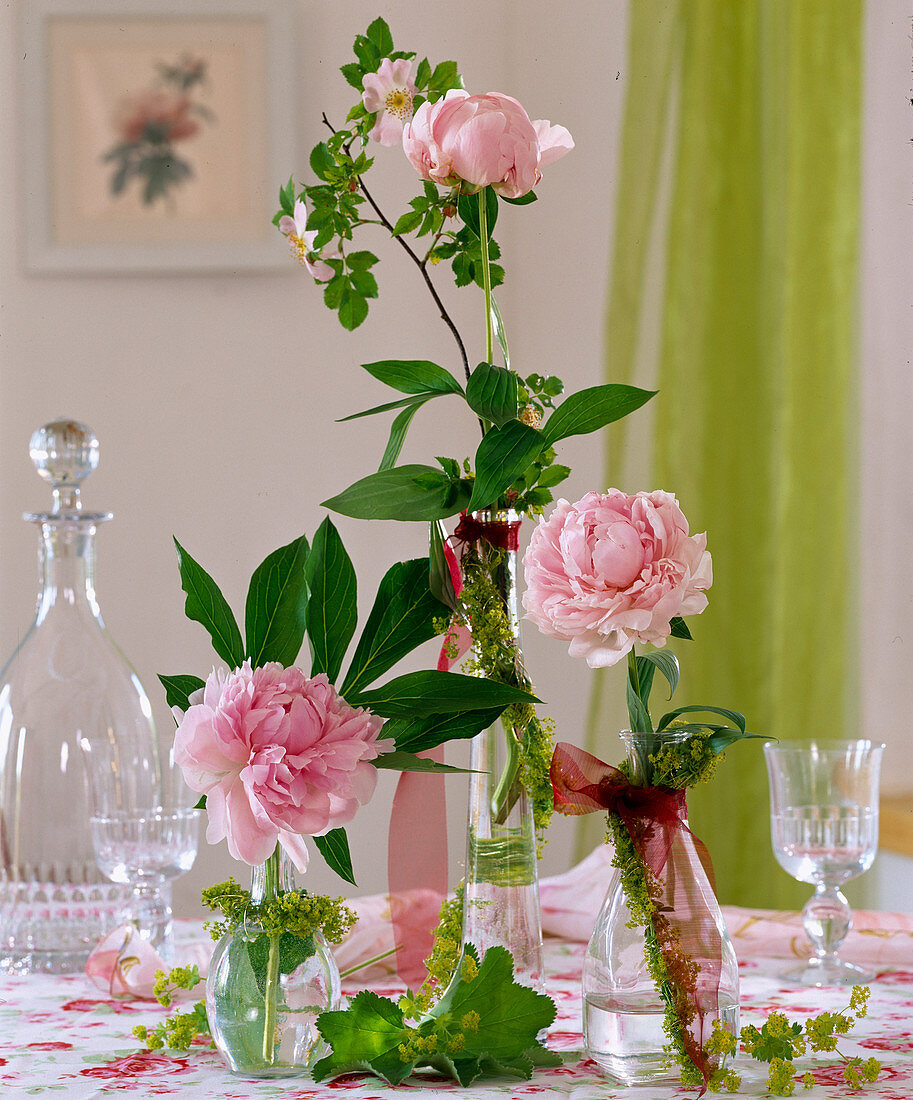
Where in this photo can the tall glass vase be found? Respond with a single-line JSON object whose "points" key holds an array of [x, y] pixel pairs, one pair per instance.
{"points": [[265, 990], [501, 892], [623, 1008]]}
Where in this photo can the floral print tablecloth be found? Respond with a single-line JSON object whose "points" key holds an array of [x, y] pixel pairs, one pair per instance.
{"points": [[62, 1035]]}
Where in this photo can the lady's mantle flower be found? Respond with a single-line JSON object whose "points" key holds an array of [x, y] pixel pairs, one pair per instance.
{"points": [[389, 92], [302, 243]]}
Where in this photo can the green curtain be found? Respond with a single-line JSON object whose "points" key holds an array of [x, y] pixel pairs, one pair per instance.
{"points": [[754, 425]]}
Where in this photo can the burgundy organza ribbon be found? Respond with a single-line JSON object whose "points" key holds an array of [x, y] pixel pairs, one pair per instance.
{"points": [[655, 819]]}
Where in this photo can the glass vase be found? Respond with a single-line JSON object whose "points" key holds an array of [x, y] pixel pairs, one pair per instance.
{"points": [[623, 1010], [264, 992], [67, 695], [501, 891]]}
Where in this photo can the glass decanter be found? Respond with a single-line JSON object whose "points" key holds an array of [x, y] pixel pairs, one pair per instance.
{"points": [[66, 693]]}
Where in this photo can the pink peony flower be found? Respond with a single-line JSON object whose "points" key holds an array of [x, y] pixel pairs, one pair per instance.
{"points": [[481, 140], [278, 757], [612, 570], [389, 92], [302, 243]]}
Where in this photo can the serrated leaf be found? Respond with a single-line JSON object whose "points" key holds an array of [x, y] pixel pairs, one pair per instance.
{"points": [[398, 430], [332, 604], [407, 223], [275, 614], [422, 74], [379, 34], [205, 604], [421, 734], [408, 762], [413, 376], [433, 692], [445, 76], [402, 493], [353, 309], [178, 689], [364, 1036], [287, 196], [593, 408], [503, 455], [322, 162], [491, 393], [334, 847], [353, 74], [553, 475], [401, 619]]}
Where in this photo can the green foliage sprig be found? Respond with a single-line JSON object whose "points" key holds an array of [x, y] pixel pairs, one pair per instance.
{"points": [[179, 1031], [485, 1023], [295, 913]]}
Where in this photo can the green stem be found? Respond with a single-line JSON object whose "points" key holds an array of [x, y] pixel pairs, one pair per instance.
{"points": [[271, 989], [368, 962], [486, 273], [505, 794]]}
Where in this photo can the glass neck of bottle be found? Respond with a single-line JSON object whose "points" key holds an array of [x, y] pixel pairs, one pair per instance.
{"points": [[273, 877], [497, 550], [66, 566]]}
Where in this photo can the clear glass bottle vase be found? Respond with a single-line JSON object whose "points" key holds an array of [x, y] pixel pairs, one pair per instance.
{"points": [[623, 1011], [264, 992], [501, 891], [67, 697]]}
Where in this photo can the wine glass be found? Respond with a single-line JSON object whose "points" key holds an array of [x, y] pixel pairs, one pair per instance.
{"points": [[824, 829]]}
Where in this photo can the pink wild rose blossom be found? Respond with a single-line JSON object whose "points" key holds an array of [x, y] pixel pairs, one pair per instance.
{"points": [[388, 93], [301, 242], [481, 140], [278, 756], [612, 570]]}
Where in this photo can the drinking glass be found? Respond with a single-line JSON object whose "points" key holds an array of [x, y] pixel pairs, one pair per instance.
{"points": [[824, 829]]}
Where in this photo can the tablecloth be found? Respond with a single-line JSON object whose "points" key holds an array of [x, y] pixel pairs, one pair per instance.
{"points": [[62, 1035]]}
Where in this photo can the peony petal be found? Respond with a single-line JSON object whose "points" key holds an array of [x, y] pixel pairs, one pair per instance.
{"points": [[554, 141]]}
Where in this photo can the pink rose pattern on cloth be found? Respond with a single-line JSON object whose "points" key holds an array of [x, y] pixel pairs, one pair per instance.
{"points": [[612, 570], [278, 756], [482, 140]]}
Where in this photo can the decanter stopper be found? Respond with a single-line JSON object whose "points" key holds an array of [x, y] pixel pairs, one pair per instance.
{"points": [[64, 453]]}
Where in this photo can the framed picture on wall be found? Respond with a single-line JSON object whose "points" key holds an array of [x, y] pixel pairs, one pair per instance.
{"points": [[157, 133]]}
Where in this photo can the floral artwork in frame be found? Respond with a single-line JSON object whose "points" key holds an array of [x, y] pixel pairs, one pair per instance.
{"points": [[152, 129]]}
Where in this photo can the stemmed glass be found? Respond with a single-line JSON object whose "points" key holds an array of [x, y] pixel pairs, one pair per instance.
{"points": [[824, 829]]}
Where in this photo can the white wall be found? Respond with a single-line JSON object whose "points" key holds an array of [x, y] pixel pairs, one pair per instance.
{"points": [[214, 397]]}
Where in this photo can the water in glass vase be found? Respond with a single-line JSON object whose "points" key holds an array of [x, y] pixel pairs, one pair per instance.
{"points": [[624, 1035]]}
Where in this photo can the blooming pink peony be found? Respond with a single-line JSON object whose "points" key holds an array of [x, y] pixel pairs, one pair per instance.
{"points": [[612, 570], [388, 93], [481, 140], [278, 756]]}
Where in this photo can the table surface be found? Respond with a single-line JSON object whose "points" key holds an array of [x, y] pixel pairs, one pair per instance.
{"points": [[61, 1034]]}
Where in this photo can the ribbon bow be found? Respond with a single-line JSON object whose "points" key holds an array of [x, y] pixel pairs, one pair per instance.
{"points": [[655, 820]]}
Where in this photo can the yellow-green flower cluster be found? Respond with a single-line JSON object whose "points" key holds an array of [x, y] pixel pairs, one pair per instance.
{"points": [[177, 1032], [685, 764], [297, 912], [442, 962]]}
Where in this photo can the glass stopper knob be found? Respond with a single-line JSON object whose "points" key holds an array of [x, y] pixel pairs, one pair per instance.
{"points": [[64, 452]]}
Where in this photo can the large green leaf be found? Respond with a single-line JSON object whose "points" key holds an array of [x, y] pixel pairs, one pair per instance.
{"points": [[402, 618], [731, 715], [492, 392], [205, 604], [332, 606], [364, 1037], [409, 762], [503, 455], [274, 617], [403, 492], [398, 430], [433, 692], [420, 734], [334, 847], [413, 376], [667, 663], [468, 209], [178, 689], [593, 408]]}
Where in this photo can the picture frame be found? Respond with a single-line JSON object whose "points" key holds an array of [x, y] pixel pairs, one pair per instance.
{"points": [[156, 133]]}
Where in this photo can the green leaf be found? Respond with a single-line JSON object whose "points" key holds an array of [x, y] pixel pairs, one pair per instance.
{"points": [[293, 951], [403, 493], [409, 762], [445, 76], [491, 392], [500, 332], [332, 607], [365, 1036], [433, 692], [205, 604], [503, 455], [401, 619], [553, 475], [274, 618], [679, 628], [523, 200], [422, 73], [409, 221], [440, 579], [638, 715], [413, 376], [591, 409], [353, 74], [731, 715], [353, 309], [398, 430], [334, 847], [468, 209], [403, 402], [420, 734], [323, 165], [379, 34], [667, 663], [722, 738], [287, 197], [178, 689]]}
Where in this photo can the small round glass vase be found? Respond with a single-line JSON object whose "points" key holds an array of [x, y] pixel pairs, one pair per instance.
{"points": [[623, 1011], [264, 993]]}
